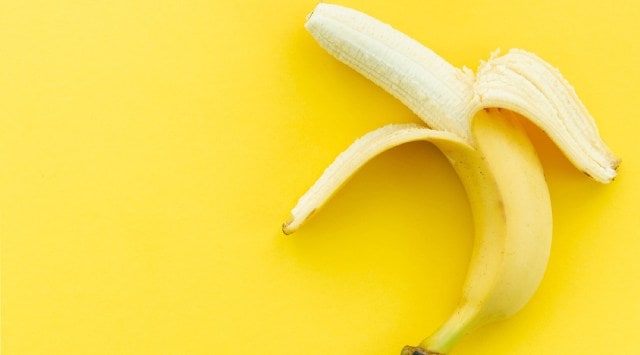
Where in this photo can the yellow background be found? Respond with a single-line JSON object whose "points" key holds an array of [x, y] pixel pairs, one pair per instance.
{"points": [[149, 151]]}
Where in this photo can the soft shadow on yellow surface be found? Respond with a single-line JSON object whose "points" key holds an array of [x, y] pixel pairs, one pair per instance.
{"points": [[150, 151]]}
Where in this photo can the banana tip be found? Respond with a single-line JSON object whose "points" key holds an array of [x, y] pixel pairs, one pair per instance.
{"points": [[616, 163], [286, 226]]}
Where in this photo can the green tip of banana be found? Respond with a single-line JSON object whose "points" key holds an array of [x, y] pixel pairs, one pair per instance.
{"points": [[470, 119]]}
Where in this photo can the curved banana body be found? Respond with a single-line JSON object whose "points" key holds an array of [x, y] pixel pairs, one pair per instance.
{"points": [[511, 208], [488, 149]]}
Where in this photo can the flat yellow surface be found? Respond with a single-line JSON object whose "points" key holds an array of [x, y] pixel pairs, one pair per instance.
{"points": [[150, 150]]}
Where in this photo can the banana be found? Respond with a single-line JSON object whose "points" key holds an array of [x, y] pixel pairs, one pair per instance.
{"points": [[474, 121], [512, 214]]}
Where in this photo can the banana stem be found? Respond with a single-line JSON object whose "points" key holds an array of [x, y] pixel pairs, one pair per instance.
{"points": [[416, 350]]}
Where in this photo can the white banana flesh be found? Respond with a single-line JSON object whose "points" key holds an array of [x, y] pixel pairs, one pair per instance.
{"points": [[470, 120], [432, 88]]}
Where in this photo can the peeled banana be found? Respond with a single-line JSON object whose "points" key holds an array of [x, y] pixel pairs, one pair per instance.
{"points": [[472, 120]]}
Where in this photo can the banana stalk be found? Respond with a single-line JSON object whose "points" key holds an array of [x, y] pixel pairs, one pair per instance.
{"points": [[470, 119]]}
